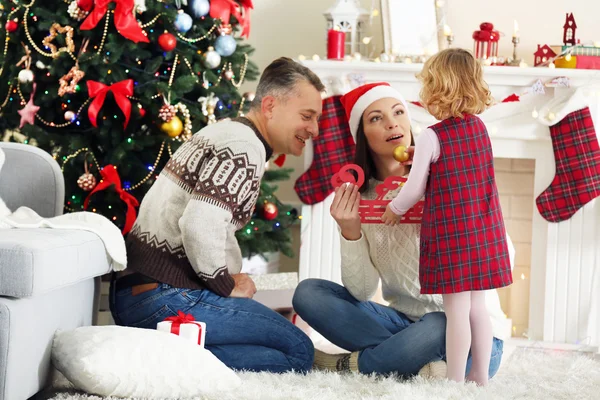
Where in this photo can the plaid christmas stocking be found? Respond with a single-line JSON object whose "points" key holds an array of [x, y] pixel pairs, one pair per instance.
{"points": [[577, 156], [332, 149]]}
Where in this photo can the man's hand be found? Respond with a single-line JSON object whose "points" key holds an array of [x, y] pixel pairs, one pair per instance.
{"points": [[389, 217], [244, 286]]}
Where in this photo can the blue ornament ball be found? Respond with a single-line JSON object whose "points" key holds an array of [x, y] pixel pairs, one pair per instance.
{"points": [[199, 8], [183, 23], [225, 45]]}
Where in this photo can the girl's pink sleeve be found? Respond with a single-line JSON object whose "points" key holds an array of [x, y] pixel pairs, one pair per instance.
{"points": [[427, 151]]}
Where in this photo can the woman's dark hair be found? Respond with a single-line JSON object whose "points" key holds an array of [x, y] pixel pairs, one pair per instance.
{"points": [[363, 157]]}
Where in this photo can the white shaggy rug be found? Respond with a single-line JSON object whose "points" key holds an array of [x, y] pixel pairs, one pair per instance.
{"points": [[528, 374]]}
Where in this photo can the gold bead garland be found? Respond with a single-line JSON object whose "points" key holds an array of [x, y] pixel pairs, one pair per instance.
{"points": [[187, 122], [151, 22], [140, 183], [52, 124], [241, 109], [243, 71], [207, 34]]}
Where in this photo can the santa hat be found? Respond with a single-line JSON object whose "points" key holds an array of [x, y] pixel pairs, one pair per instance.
{"points": [[358, 100]]}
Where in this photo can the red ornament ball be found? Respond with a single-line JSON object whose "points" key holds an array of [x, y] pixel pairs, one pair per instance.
{"points": [[11, 25], [270, 211], [167, 42], [85, 5]]}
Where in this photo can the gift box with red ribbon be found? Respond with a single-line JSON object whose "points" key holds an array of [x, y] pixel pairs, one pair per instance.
{"points": [[183, 325]]}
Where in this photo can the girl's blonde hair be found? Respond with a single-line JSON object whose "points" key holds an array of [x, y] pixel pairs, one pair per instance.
{"points": [[453, 85]]}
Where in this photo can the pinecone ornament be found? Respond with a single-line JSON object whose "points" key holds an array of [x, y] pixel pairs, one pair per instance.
{"points": [[167, 112], [86, 182], [75, 12]]}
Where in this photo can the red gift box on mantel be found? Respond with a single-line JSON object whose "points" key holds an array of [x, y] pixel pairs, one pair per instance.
{"points": [[486, 42], [184, 326]]}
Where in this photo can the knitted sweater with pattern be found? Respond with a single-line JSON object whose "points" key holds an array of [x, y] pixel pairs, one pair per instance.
{"points": [[390, 255], [184, 234]]}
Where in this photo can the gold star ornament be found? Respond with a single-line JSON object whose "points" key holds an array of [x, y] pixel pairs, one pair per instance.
{"points": [[55, 29]]}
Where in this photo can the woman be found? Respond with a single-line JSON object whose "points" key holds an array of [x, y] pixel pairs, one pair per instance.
{"points": [[408, 336]]}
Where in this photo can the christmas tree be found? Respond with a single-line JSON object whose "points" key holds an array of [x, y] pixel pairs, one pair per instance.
{"points": [[111, 88], [268, 230]]}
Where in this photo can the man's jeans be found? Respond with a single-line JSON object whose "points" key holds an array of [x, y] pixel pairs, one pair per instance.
{"points": [[387, 340], [242, 333]]}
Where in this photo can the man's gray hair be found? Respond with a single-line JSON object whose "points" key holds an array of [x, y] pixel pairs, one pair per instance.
{"points": [[280, 77]]}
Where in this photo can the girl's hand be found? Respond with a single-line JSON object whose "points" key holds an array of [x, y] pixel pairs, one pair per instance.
{"points": [[344, 210], [411, 152], [389, 217]]}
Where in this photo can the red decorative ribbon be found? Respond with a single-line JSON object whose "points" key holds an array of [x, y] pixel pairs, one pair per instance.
{"points": [[224, 9], [512, 98], [182, 318], [111, 177], [125, 21], [120, 91], [280, 160]]}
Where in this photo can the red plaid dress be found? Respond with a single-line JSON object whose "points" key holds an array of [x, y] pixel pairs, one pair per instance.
{"points": [[463, 239]]}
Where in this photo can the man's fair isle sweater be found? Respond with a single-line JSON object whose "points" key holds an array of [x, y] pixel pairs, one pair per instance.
{"points": [[184, 234]]}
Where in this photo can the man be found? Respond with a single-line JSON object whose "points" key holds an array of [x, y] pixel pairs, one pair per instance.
{"points": [[182, 251]]}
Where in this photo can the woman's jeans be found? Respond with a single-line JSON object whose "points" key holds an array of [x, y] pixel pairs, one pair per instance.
{"points": [[387, 340], [242, 333]]}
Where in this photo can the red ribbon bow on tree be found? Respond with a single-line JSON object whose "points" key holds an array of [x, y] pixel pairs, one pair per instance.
{"points": [[182, 318], [120, 91], [125, 21], [111, 177], [223, 9]]}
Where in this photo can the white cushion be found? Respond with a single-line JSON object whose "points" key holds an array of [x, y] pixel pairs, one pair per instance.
{"points": [[141, 363], [38, 260]]}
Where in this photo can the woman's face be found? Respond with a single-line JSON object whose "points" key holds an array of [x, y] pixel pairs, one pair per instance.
{"points": [[386, 125]]}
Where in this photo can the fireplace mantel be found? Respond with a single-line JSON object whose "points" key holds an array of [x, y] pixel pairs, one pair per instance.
{"points": [[565, 260]]}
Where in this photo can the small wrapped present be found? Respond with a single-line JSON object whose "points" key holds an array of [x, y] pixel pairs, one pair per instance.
{"points": [[184, 325]]}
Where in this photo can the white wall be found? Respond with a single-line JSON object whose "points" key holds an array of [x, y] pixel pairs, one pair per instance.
{"points": [[290, 28]]}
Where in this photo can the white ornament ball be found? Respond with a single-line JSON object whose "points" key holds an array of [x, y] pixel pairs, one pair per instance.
{"points": [[75, 12], [40, 65], [384, 57], [69, 116], [25, 76], [183, 22], [212, 59], [199, 8]]}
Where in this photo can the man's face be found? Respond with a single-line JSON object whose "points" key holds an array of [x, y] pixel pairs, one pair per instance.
{"points": [[294, 119]]}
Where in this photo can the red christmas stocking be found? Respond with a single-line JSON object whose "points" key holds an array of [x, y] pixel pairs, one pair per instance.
{"points": [[577, 156], [332, 149]]}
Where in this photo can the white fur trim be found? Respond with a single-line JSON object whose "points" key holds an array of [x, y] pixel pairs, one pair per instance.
{"points": [[377, 93]]}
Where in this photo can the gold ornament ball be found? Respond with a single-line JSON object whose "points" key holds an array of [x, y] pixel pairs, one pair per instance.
{"points": [[400, 154], [173, 128]]}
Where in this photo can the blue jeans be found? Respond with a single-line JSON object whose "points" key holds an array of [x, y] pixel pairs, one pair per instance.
{"points": [[242, 333], [388, 341]]}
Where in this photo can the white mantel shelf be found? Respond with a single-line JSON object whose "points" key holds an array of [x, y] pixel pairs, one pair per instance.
{"points": [[399, 72], [565, 257]]}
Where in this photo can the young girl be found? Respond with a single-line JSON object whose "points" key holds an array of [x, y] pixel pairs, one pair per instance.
{"points": [[463, 247]]}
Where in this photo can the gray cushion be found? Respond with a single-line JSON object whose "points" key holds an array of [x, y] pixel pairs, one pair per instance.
{"points": [[35, 261]]}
